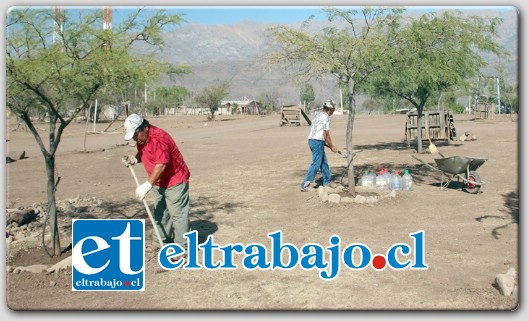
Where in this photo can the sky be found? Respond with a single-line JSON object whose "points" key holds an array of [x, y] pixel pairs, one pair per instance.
{"points": [[227, 15], [232, 15], [210, 15]]}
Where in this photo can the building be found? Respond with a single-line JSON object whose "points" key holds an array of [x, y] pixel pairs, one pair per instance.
{"points": [[245, 106]]}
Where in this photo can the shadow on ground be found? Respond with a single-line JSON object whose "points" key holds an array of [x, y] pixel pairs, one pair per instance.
{"points": [[402, 145], [203, 211], [511, 213]]}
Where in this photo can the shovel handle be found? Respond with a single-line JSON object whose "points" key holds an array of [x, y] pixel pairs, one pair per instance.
{"points": [[134, 175], [147, 208]]}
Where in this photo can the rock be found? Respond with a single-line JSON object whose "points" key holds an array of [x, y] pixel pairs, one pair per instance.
{"points": [[322, 193], [360, 199], [347, 200], [23, 217], [468, 137], [38, 268], [372, 200], [53, 283], [505, 284], [360, 189], [62, 265], [512, 273], [69, 210], [334, 198], [33, 225], [25, 242]]}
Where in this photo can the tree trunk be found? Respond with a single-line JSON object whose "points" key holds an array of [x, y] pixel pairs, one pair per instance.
{"points": [[420, 121], [49, 160], [52, 206], [419, 131], [349, 140]]}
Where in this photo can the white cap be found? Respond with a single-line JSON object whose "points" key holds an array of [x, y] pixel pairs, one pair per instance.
{"points": [[131, 124], [329, 104]]}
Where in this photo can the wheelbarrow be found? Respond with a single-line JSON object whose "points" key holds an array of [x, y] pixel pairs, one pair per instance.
{"points": [[461, 167]]}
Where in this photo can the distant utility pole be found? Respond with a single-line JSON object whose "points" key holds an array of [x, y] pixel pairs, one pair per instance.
{"points": [[107, 18], [498, 93], [107, 25], [57, 23]]}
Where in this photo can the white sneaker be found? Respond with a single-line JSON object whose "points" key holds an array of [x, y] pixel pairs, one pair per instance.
{"points": [[305, 185]]}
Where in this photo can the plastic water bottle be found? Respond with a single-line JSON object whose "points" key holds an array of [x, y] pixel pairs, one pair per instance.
{"points": [[396, 182], [364, 180], [389, 175], [407, 181], [373, 178], [381, 181]]}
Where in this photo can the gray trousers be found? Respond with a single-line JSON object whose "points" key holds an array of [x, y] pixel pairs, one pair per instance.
{"points": [[171, 214]]}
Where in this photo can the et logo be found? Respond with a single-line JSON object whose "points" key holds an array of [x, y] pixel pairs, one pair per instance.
{"points": [[108, 255]]}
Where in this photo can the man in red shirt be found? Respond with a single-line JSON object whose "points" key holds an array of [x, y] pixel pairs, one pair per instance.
{"points": [[168, 177]]}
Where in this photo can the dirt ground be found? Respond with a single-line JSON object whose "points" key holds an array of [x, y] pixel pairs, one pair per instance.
{"points": [[245, 173]]}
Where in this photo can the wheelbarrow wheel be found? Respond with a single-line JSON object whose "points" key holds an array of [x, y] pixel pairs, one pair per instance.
{"points": [[470, 187]]}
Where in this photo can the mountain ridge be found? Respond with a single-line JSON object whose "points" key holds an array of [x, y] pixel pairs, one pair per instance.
{"points": [[233, 53]]}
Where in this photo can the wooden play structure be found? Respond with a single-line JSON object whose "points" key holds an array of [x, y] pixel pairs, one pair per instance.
{"points": [[293, 115], [437, 126], [484, 111]]}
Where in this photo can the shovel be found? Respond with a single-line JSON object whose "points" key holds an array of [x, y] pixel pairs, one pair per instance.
{"points": [[147, 208], [342, 155]]}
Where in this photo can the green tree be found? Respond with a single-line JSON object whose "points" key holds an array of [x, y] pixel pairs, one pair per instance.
{"points": [[57, 61], [234, 108], [372, 104], [450, 102], [307, 95], [343, 49], [212, 96], [167, 97], [510, 97], [433, 54]]}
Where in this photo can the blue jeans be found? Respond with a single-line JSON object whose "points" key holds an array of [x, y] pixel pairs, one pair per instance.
{"points": [[319, 162]]}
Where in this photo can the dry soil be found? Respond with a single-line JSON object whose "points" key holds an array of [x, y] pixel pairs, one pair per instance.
{"points": [[245, 173]]}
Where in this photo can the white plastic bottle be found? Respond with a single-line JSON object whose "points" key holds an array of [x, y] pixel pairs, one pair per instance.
{"points": [[407, 181], [373, 178], [396, 181], [364, 180], [381, 181], [387, 176]]}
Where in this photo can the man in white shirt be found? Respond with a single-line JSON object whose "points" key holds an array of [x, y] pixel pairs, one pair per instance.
{"points": [[319, 136]]}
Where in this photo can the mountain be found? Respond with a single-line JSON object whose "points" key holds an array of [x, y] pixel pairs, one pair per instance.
{"points": [[233, 53]]}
